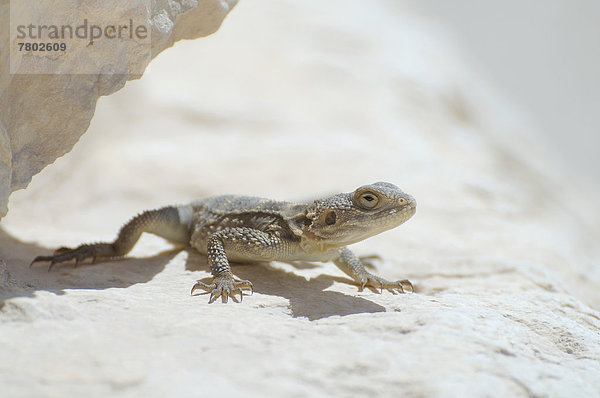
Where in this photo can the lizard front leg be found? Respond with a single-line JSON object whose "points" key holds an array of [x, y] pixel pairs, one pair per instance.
{"points": [[239, 242], [355, 268]]}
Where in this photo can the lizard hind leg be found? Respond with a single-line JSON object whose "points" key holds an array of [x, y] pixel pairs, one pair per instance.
{"points": [[171, 223]]}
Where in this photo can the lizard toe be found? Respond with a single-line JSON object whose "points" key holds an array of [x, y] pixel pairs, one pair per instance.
{"points": [[242, 285], [379, 284], [201, 285], [406, 282]]}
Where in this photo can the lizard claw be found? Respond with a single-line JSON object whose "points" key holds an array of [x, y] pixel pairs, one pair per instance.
{"points": [[52, 263], [363, 284], [224, 286]]}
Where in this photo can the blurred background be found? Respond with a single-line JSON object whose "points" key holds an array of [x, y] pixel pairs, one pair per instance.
{"points": [[544, 56]]}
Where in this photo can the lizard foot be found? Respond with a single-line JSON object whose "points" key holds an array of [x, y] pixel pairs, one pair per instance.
{"points": [[375, 282], [79, 254], [224, 286]]}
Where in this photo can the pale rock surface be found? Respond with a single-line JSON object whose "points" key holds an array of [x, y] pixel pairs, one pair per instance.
{"points": [[43, 116], [295, 100]]}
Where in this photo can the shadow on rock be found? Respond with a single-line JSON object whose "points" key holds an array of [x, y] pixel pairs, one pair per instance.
{"points": [[307, 298], [17, 279]]}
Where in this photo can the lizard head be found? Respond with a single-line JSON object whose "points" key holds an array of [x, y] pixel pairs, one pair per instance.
{"points": [[348, 218]]}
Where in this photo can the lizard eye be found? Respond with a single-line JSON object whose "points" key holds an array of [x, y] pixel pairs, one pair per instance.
{"points": [[330, 218], [368, 200]]}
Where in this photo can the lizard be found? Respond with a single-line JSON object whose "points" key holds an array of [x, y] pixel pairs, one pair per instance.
{"points": [[232, 228]]}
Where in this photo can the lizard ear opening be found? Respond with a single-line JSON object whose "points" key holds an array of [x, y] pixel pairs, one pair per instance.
{"points": [[330, 218]]}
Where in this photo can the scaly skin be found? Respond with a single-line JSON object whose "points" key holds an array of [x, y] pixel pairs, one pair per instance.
{"points": [[239, 228]]}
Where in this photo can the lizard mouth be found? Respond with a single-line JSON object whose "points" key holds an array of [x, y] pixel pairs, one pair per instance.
{"points": [[385, 220], [392, 218], [401, 214]]}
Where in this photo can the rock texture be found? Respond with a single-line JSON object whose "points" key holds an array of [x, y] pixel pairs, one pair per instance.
{"points": [[294, 100], [43, 116]]}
